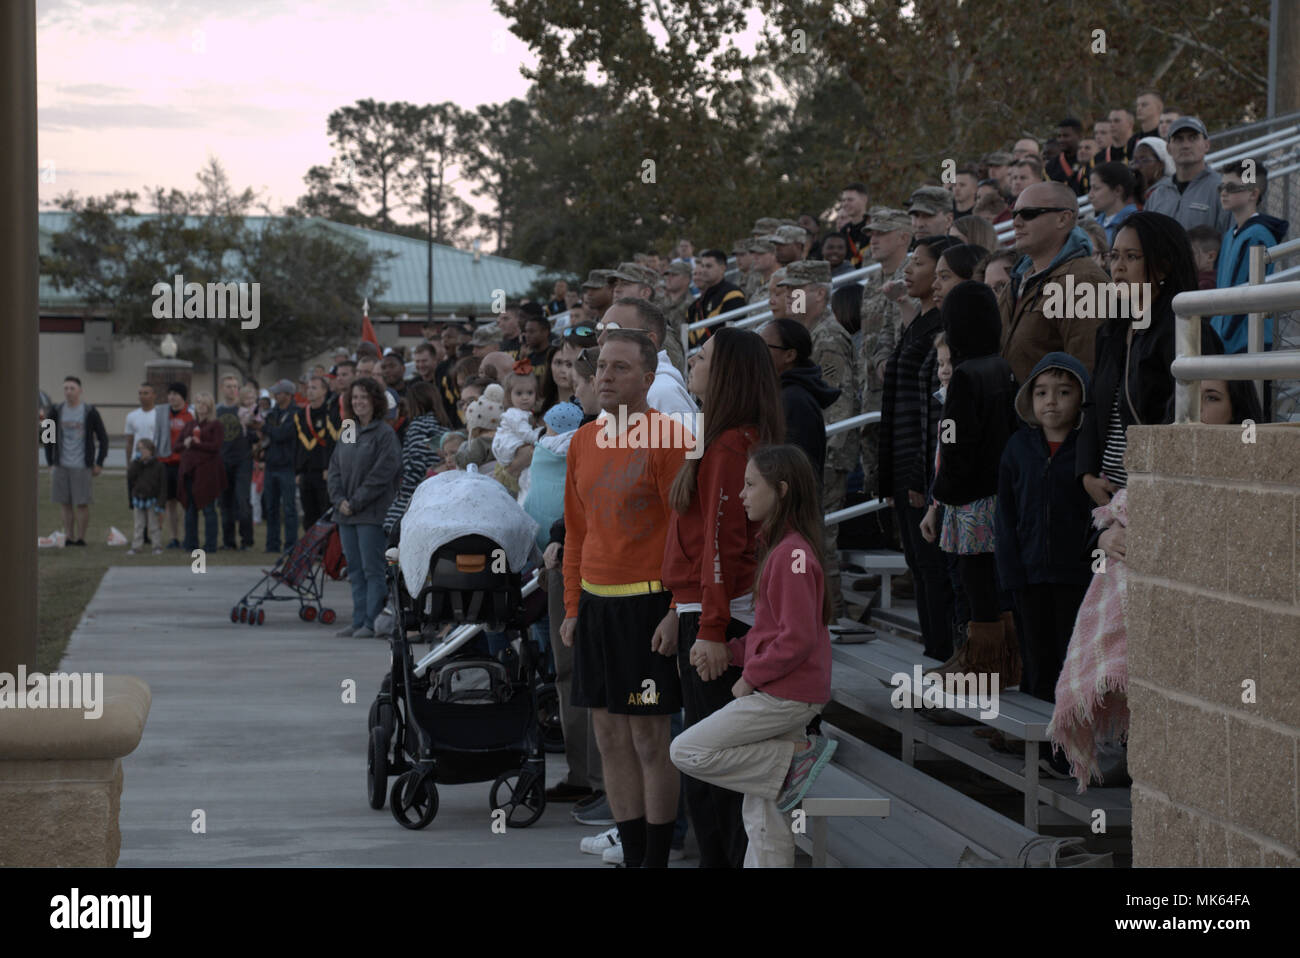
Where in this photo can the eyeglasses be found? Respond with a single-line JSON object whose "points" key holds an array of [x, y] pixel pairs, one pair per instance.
{"points": [[1236, 187], [1028, 213], [1128, 256]]}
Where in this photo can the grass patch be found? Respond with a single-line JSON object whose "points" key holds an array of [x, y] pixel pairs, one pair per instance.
{"points": [[69, 577]]}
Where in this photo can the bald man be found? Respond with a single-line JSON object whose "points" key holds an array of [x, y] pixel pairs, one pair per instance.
{"points": [[498, 365], [1053, 248]]}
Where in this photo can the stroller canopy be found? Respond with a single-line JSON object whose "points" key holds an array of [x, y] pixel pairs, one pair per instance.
{"points": [[454, 504]]}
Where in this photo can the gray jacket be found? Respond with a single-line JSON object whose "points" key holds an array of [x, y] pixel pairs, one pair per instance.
{"points": [[1198, 205], [367, 473]]}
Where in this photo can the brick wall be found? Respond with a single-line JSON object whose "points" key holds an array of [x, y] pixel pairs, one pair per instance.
{"points": [[1214, 618]]}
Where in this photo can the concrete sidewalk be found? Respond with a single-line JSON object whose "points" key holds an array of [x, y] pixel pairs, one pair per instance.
{"points": [[248, 724]]}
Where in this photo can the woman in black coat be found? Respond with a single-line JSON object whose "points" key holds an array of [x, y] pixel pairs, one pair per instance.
{"points": [[803, 392]]}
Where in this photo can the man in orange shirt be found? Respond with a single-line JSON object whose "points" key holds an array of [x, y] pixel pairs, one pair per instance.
{"points": [[620, 470]]}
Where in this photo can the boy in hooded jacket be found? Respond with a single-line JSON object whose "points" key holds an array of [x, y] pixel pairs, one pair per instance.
{"points": [[1043, 520]]}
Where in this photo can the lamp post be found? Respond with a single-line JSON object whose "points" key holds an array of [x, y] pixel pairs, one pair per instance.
{"points": [[428, 180]]}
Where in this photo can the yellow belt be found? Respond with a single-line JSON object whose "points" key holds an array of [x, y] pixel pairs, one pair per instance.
{"points": [[630, 588]]}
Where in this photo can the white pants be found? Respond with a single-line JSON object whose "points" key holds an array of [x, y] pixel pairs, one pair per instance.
{"points": [[747, 747]]}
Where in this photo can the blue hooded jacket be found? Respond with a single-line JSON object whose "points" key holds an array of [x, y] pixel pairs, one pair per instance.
{"points": [[1234, 270], [1043, 522]]}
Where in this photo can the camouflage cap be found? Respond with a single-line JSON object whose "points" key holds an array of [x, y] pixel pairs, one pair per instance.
{"points": [[597, 279], [740, 246], [765, 225], [789, 223], [762, 244], [807, 271], [930, 200], [791, 234], [488, 334], [999, 158], [635, 273], [776, 277], [885, 220], [678, 267]]}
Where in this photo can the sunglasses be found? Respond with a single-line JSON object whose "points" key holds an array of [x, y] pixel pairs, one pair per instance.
{"points": [[1028, 213], [579, 332], [1236, 187]]}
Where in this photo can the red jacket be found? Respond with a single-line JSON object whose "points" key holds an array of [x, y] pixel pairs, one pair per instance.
{"points": [[709, 553], [203, 459], [787, 653]]}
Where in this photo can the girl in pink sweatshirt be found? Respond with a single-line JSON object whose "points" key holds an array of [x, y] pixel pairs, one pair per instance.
{"points": [[757, 745]]}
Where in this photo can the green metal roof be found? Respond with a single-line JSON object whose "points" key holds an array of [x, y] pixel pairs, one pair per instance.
{"points": [[461, 284]]}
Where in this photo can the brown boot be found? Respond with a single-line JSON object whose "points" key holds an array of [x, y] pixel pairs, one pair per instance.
{"points": [[988, 649], [1014, 664]]}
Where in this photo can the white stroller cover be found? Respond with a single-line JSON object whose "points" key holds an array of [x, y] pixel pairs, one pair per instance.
{"points": [[454, 504]]}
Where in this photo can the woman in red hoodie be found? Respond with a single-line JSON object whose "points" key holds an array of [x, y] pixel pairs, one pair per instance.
{"points": [[709, 555], [757, 745]]}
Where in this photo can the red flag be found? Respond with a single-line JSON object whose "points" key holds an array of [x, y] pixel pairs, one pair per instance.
{"points": [[367, 330]]}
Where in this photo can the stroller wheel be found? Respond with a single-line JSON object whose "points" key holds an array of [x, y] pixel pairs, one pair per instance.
{"points": [[377, 767], [414, 799], [243, 613], [327, 616], [261, 616], [234, 613], [548, 718], [521, 795], [252, 616]]}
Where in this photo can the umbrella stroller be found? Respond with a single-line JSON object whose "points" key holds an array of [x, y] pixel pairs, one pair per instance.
{"points": [[300, 570], [456, 715]]}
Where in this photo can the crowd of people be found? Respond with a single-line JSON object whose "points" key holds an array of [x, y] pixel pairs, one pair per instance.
{"points": [[691, 585]]}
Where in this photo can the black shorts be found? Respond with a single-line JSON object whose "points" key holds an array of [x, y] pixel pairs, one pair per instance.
{"points": [[613, 666], [173, 481]]}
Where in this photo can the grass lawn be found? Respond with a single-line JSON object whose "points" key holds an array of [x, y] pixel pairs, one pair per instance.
{"points": [[68, 577]]}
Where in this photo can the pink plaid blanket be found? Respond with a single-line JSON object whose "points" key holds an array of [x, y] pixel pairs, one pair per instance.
{"points": [[1092, 692]]}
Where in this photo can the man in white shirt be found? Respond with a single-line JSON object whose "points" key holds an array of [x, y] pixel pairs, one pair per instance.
{"points": [[668, 391], [141, 423]]}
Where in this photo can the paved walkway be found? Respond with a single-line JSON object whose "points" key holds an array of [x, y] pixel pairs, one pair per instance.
{"points": [[248, 724]]}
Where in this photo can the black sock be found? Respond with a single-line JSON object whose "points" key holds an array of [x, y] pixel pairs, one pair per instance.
{"points": [[658, 840], [632, 835]]}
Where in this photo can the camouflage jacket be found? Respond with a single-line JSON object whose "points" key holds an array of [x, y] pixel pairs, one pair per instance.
{"points": [[832, 350], [880, 328]]}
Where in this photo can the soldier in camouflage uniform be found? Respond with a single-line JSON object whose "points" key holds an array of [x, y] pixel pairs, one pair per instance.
{"points": [[760, 274], [890, 233], [676, 303], [832, 350]]}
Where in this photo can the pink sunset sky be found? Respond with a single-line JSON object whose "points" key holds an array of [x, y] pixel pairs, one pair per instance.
{"points": [[141, 94]]}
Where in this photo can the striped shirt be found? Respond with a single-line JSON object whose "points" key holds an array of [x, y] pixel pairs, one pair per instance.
{"points": [[1112, 458]]}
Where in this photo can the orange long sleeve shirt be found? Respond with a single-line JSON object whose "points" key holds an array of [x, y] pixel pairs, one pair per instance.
{"points": [[616, 506]]}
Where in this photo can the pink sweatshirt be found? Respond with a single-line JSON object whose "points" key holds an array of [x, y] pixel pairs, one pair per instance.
{"points": [[787, 653]]}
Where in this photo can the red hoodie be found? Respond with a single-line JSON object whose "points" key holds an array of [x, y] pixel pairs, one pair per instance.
{"points": [[709, 552], [787, 653]]}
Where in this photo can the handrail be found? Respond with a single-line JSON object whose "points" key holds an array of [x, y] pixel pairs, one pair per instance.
{"points": [[1190, 366], [862, 419], [1281, 251]]}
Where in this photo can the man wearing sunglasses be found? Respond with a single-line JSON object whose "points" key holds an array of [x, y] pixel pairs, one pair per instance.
{"points": [[1052, 249]]}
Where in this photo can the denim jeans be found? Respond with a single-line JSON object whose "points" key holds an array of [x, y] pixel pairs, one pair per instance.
{"points": [[236, 503], [363, 547], [280, 491], [210, 541]]}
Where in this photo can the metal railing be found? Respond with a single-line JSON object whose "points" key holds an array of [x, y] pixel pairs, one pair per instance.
{"points": [[1190, 367]]}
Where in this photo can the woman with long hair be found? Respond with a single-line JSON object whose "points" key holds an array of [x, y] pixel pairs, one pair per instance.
{"points": [[804, 394], [202, 478], [756, 743], [709, 556], [364, 477], [909, 422], [420, 444], [956, 265], [974, 231]]}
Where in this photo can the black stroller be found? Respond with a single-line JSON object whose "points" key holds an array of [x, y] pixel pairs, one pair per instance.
{"points": [[457, 716]]}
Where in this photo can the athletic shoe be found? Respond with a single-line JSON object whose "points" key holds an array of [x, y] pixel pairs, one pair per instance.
{"points": [[157, 551], [174, 544], [76, 542], [598, 813], [1057, 767], [599, 844], [564, 792], [345, 633], [363, 633], [131, 552], [590, 800], [804, 769], [614, 855]]}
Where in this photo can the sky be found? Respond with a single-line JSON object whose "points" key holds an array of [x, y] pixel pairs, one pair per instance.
{"points": [[141, 94]]}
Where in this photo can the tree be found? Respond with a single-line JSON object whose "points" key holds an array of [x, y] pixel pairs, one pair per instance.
{"points": [[309, 284], [496, 148], [373, 143], [439, 134]]}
